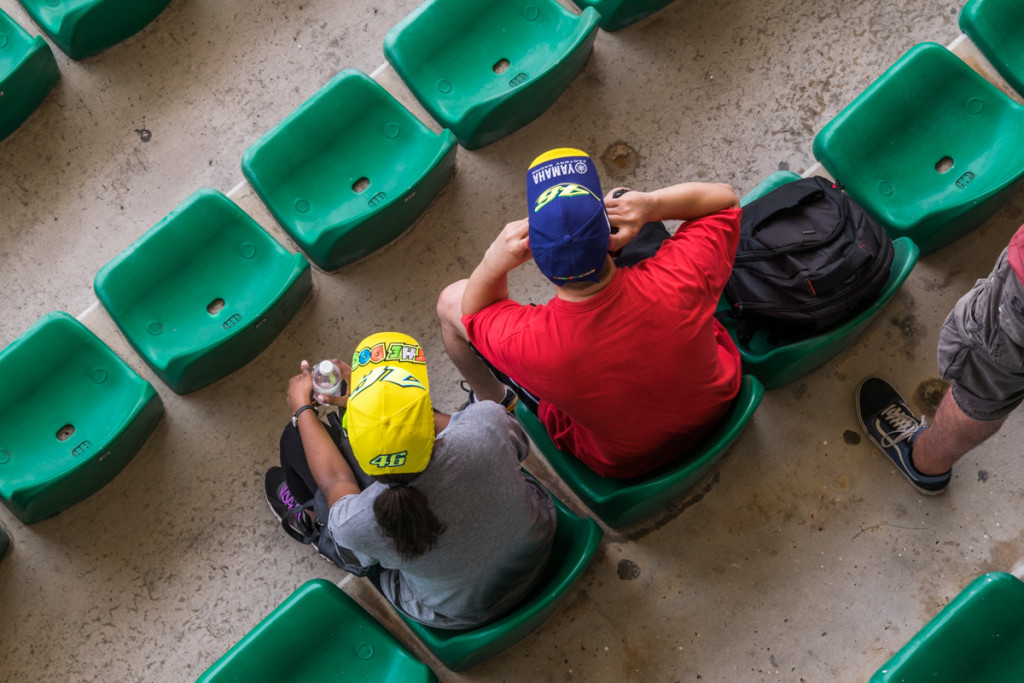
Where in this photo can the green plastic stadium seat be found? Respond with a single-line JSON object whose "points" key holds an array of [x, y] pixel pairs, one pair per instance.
{"points": [[776, 360], [318, 634], [55, 452], [28, 72], [349, 170], [997, 28], [84, 27], [979, 637], [486, 69], [621, 502], [576, 541], [203, 292], [931, 149], [616, 14]]}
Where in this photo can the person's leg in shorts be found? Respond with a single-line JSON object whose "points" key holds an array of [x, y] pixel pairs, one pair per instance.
{"points": [[981, 350]]}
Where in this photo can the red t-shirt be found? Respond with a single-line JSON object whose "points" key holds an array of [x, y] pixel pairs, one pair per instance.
{"points": [[1015, 253], [632, 377]]}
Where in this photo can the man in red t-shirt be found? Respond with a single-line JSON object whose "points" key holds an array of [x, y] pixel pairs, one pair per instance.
{"points": [[981, 352], [628, 366]]}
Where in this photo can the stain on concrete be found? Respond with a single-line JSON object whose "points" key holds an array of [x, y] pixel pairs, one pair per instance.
{"points": [[982, 476], [620, 160], [937, 285], [799, 390], [929, 393], [851, 437], [628, 570], [911, 333], [671, 512]]}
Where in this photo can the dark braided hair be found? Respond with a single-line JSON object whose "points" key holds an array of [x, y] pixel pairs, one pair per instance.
{"points": [[404, 516]]}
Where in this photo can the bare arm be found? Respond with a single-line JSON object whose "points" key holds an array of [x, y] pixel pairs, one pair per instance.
{"points": [[685, 201], [489, 281], [333, 475]]}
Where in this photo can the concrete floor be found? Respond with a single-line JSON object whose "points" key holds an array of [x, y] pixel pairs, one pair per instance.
{"points": [[804, 557]]}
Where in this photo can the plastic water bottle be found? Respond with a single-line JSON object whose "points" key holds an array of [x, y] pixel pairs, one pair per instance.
{"points": [[327, 379]]}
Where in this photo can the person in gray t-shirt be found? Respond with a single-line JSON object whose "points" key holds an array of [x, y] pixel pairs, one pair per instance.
{"points": [[459, 532]]}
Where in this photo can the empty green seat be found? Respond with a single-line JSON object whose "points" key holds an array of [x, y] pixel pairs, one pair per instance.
{"points": [[619, 502], [931, 149], [349, 170], [977, 637], [486, 69], [203, 292], [72, 415], [616, 14], [28, 72], [318, 634], [84, 27], [576, 541], [777, 360], [997, 28]]}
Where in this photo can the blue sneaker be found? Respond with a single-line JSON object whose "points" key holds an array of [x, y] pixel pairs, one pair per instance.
{"points": [[889, 423]]}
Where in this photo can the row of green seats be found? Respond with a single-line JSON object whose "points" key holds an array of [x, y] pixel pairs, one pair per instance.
{"points": [[351, 168], [341, 642], [198, 296]]}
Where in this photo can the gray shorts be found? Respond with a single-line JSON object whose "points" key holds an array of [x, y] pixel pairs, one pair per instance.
{"points": [[981, 346]]}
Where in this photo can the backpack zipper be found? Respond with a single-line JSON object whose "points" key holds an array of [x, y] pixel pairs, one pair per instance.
{"points": [[753, 307]]}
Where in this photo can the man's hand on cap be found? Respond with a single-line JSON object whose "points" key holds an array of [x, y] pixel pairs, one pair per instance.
{"points": [[511, 248], [627, 210]]}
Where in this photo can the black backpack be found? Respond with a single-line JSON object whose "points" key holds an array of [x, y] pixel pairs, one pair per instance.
{"points": [[809, 258]]}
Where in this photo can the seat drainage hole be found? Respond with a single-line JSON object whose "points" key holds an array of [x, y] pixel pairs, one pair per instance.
{"points": [[944, 165], [65, 432], [501, 66], [215, 307], [360, 185]]}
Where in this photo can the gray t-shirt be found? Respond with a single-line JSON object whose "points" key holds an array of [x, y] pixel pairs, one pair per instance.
{"points": [[499, 525]]}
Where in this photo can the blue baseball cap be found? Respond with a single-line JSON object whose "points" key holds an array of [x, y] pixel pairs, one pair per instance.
{"points": [[569, 228]]}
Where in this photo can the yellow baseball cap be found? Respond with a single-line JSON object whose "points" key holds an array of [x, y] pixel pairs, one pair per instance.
{"points": [[390, 419]]}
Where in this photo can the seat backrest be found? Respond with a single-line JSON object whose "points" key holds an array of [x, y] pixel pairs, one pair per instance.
{"points": [[576, 541], [317, 634], [996, 27], [979, 636], [15, 42], [620, 502]]}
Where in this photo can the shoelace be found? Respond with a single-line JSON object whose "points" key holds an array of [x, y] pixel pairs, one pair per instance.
{"points": [[285, 494], [904, 426]]}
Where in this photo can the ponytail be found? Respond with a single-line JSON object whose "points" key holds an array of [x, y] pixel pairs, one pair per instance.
{"points": [[404, 516]]}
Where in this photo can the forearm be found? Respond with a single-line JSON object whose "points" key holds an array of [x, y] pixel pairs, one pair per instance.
{"points": [[686, 201], [333, 475], [486, 285], [489, 281]]}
